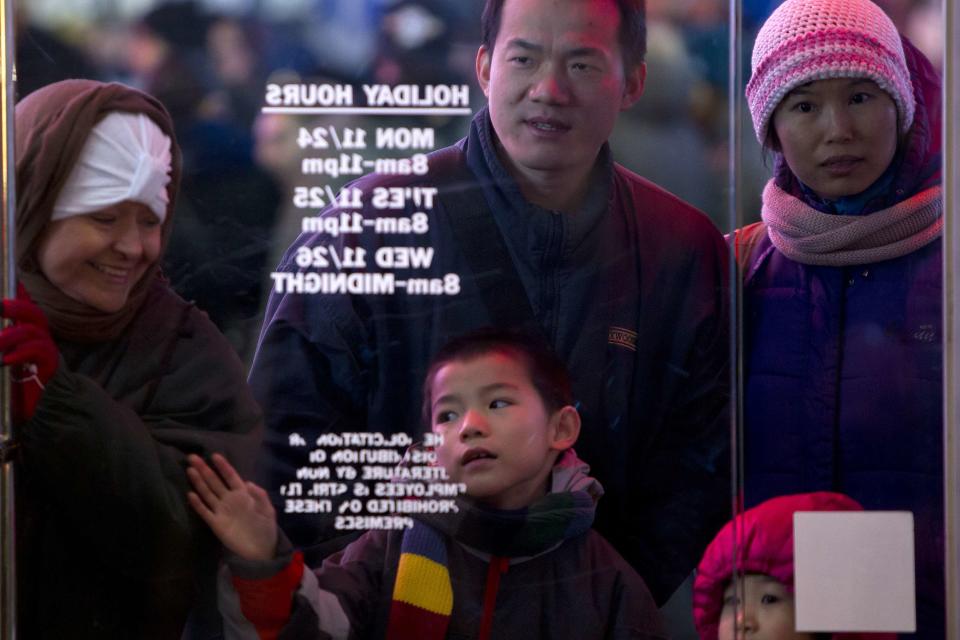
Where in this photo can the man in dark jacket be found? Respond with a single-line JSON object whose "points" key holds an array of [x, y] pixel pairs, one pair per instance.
{"points": [[534, 225]]}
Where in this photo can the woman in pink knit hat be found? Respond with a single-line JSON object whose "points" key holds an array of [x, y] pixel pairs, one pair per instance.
{"points": [[842, 278]]}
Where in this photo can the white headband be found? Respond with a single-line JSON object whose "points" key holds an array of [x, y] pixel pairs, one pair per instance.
{"points": [[126, 157]]}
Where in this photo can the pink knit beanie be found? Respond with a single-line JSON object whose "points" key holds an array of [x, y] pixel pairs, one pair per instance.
{"points": [[806, 40]]}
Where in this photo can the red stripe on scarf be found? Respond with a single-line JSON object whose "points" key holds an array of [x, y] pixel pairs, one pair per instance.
{"points": [[409, 622], [267, 603]]}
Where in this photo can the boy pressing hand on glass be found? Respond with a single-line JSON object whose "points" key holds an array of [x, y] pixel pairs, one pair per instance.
{"points": [[518, 558]]}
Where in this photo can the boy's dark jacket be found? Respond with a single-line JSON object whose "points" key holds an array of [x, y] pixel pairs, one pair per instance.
{"points": [[568, 583]]}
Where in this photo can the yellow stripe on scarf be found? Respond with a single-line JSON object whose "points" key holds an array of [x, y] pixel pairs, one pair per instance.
{"points": [[423, 583]]}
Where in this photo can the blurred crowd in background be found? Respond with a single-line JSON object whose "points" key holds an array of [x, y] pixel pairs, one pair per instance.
{"points": [[209, 61]]}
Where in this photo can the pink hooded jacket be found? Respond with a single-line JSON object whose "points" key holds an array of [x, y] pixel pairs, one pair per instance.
{"points": [[765, 545]]}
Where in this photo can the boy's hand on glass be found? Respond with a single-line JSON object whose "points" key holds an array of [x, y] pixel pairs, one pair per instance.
{"points": [[237, 511]]}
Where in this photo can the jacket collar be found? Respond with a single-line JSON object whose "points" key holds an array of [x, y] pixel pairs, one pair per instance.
{"points": [[524, 224]]}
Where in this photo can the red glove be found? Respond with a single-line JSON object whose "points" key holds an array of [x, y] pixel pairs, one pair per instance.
{"points": [[29, 348]]}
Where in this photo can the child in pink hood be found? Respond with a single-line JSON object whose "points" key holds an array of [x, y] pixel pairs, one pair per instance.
{"points": [[765, 556]]}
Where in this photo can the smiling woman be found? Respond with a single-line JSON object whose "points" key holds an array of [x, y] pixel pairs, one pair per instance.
{"points": [[116, 379], [96, 247], [98, 258]]}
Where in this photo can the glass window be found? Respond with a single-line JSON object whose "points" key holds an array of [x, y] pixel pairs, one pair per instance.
{"points": [[348, 282]]}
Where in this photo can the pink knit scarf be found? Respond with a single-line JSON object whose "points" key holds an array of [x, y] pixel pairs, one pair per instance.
{"points": [[808, 236]]}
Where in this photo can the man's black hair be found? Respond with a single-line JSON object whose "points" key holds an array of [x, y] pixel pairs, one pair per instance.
{"points": [[633, 29], [548, 374]]}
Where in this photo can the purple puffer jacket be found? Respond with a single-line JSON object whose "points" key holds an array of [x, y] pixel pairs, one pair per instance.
{"points": [[843, 367]]}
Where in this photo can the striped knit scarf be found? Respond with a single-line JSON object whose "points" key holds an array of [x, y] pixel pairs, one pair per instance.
{"points": [[422, 593], [808, 236]]}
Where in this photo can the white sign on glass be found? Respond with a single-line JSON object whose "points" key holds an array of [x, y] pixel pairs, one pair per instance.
{"points": [[854, 571]]}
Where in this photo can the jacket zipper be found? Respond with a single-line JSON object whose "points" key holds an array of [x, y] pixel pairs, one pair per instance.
{"points": [[498, 566]]}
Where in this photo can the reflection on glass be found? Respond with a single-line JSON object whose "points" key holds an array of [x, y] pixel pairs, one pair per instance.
{"points": [[357, 279], [842, 278], [525, 222]]}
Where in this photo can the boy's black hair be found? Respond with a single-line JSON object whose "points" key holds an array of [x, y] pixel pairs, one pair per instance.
{"points": [[633, 29], [548, 374]]}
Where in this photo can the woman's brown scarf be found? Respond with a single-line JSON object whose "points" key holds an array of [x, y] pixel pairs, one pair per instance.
{"points": [[52, 125], [808, 236]]}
